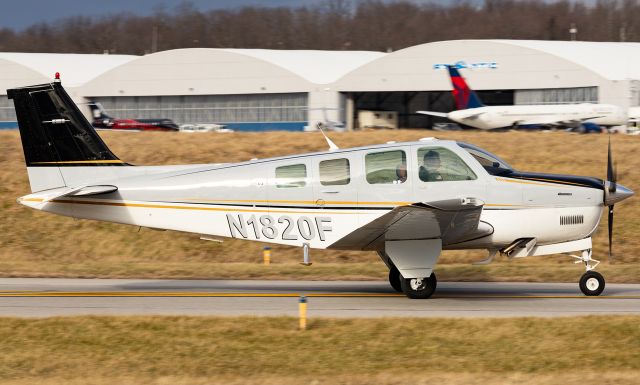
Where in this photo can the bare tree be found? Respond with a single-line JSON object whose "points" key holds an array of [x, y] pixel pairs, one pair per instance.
{"points": [[334, 25]]}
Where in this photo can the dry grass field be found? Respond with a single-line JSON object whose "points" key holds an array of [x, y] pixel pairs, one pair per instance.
{"points": [[203, 350], [38, 244]]}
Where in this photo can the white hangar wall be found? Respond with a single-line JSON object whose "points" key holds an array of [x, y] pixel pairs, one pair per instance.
{"points": [[533, 72], [242, 88], [277, 89], [19, 69]]}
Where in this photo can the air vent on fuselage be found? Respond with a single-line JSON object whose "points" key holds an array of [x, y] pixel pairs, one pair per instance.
{"points": [[571, 220]]}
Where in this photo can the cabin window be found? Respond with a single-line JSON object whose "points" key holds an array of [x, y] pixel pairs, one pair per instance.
{"points": [[438, 164], [388, 167], [334, 172], [291, 176]]}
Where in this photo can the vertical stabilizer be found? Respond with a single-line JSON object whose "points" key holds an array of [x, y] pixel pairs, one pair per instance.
{"points": [[464, 96], [55, 135]]}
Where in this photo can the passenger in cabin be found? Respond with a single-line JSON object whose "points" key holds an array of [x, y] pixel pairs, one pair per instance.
{"points": [[401, 173], [430, 169]]}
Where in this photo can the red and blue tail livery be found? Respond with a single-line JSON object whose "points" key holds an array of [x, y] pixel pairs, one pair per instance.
{"points": [[465, 97]]}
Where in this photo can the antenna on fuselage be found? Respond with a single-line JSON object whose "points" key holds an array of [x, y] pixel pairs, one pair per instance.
{"points": [[332, 146]]}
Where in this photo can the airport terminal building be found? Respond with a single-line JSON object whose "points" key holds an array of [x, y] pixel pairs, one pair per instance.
{"points": [[255, 89]]}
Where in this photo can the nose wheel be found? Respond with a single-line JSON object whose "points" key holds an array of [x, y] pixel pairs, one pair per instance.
{"points": [[592, 283]]}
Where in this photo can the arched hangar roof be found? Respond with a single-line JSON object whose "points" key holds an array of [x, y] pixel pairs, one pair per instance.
{"points": [[20, 69], [497, 64], [201, 71], [612, 61]]}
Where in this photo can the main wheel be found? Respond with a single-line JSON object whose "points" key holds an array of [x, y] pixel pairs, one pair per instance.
{"points": [[394, 279], [419, 288], [592, 283]]}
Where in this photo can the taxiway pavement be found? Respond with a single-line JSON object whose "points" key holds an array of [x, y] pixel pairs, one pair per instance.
{"points": [[36, 297]]}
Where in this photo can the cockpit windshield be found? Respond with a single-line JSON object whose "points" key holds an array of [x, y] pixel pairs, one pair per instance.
{"points": [[492, 163]]}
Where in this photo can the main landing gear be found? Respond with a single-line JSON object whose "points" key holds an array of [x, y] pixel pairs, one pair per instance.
{"points": [[416, 288], [591, 283], [395, 278], [419, 288]]}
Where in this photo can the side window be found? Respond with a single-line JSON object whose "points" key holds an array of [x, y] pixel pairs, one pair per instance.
{"points": [[294, 175], [438, 164], [334, 172], [386, 167]]}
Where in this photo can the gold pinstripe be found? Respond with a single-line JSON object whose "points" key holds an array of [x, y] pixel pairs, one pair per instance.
{"points": [[80, 162], [146, 205]]}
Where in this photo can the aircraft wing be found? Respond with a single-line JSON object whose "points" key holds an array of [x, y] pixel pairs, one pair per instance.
{"points": [[452, 220], [472, 116], [433, 113], [551, 121]]}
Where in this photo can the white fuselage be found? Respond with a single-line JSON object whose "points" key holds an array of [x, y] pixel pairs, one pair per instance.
{"points": [[245, 200], [490, 117]]}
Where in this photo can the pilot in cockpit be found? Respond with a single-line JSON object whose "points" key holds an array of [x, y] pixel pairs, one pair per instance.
{"points": [[430, 169]]}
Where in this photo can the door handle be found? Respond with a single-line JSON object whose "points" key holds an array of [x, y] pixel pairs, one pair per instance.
{"points": [[329, 191]]}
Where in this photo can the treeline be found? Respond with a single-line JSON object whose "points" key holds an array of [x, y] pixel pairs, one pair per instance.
{"points": [[332, 25]]}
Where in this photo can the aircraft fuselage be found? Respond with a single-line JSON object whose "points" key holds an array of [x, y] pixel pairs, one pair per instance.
{"points": [[490, 117]]}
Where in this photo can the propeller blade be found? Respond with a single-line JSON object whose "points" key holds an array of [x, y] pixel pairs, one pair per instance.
{"points": [[611, 172], [609, 162], [610, 223]]}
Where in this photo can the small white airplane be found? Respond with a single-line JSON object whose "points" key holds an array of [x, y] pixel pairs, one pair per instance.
{"points": [[407, 201], [471, 112]]}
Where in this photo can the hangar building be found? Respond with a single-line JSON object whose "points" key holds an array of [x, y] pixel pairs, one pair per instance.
{"points": [[254, 89]]}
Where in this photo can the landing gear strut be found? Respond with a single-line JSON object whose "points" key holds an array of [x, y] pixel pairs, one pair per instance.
{"points": [[591, 283], [419, 288]]}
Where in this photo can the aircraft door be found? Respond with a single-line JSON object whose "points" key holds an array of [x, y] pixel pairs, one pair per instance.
{"points": [[336, 194]]}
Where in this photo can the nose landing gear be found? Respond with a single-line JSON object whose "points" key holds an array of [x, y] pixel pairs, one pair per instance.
{"points": [[591, 283]]}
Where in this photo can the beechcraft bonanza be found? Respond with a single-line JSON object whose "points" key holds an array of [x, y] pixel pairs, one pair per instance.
{"points": [[407, 201], [473, 113]]}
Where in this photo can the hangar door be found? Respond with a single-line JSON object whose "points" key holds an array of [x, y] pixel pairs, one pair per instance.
{"points": [[254, 112], [406, 103]]}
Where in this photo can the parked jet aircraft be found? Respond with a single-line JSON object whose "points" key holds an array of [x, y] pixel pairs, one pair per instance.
{"points": [[471, 112], [407, 201], [103, 121]]}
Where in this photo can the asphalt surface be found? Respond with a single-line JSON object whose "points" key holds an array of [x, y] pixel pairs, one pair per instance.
{"points": [[35, 297]]}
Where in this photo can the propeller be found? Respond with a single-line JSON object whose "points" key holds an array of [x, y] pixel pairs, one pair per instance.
{"points": [[611, 187]]}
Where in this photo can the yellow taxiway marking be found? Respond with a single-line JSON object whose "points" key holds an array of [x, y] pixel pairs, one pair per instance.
{"points": [[290, 295]]}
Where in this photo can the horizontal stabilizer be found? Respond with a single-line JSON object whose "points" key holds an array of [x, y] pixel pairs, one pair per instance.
{"points": [[79, 192], [433, 113]]}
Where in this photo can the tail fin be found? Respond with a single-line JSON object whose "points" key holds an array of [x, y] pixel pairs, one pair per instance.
{"points": [[55, 135], [98, 111], [465, 97]]}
